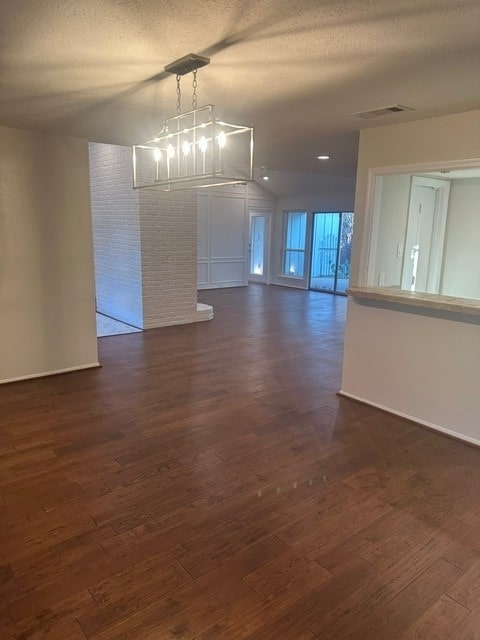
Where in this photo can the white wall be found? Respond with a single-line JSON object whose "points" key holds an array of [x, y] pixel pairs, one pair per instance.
{"points": [[223, 233], [422, 366], [394, 197], [454, 137], [116, 234], [300, 191], [47, 318], [223, 223], [425, 367], [461, 272]]}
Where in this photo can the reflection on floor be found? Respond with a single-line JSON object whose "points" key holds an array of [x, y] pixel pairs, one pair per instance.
{"points": [[109, 327]]}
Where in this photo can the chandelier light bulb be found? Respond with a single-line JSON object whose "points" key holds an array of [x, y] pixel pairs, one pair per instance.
{"points": [[170, 151], [186, 148], [157, 154], [222, 139], [203, 144]]}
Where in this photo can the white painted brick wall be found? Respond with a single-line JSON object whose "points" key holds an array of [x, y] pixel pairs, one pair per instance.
{"points": [[116, 234], [169, 257], [145, 246]]}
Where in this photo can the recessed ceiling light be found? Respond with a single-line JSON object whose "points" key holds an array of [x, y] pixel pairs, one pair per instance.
{"points": [[266, 178], [323, 157]]}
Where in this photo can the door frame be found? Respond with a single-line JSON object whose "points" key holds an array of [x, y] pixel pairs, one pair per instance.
{"points": [[267, 214], [335, 277], [435, 262]]}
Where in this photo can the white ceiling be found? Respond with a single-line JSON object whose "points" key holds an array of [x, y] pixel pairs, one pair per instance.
{"points": [[295, 68]]}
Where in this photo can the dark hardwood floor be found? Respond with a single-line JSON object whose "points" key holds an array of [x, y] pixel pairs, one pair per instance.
{"points": [[207, 483]]}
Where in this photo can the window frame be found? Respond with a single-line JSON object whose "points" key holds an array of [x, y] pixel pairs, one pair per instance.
{"points": [[364, 268], [340, 214], [286, 249]]}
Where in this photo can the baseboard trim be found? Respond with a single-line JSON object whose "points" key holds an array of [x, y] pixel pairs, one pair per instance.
{"points": [[45, 374], [290, 286], [423, 423]]}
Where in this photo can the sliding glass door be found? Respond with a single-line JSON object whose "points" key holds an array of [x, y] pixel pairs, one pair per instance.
{"points": [[331, 249]]}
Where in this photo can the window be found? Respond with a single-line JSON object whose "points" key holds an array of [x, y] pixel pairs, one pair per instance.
{"points": [[294, 244]]}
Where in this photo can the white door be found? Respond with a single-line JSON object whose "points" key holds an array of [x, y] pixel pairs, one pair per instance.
{"points": [[258, 246], [425, 237]]}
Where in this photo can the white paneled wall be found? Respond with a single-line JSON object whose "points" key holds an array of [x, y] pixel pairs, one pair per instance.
{"points": [[228, 231], [222, 240]]}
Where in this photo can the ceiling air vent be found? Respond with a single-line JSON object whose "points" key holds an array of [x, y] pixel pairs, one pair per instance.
{"points": [[380, 112]]}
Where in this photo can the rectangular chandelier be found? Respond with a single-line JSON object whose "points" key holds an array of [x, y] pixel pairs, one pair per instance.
{"points": [[194, 150]]}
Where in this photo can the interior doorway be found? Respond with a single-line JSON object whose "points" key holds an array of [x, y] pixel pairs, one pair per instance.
{"points": [[425, 235], [331, 251], [258, 246]]}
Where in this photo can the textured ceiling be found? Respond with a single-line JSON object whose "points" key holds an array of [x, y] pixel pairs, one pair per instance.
{"points": [[295, 68]]}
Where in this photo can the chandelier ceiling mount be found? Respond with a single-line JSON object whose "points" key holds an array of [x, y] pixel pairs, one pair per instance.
{"points": [[187, 64]]}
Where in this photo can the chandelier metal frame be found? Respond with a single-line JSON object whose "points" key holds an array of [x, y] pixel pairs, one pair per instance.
{"points": [[194, 149]]}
